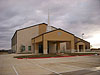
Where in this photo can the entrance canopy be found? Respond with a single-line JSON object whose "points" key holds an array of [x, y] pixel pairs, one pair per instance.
{"points": [[80, 46], [57, 36]]}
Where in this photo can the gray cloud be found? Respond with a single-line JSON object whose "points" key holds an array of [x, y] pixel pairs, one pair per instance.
{"points": [[76, 16]]}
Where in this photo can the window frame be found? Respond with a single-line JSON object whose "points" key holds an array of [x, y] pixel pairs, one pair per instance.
{"points": [[29, 48]]}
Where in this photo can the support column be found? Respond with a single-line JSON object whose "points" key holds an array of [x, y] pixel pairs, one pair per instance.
{"points": [[72, 46], [77, 48], [33, 48], [58, 47], [83, 48], [36, 48], [45, 47]]}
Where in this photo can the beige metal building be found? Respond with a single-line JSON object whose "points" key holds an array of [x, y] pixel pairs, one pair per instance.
{"points": [[45, 39]]}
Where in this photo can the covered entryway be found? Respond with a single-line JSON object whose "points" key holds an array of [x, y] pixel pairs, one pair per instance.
{"points": [[80, 46], [51, 41], [40, 48], [59, 46]]}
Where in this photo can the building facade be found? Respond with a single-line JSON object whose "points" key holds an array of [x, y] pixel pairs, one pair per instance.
{"points": [[45, 39]]}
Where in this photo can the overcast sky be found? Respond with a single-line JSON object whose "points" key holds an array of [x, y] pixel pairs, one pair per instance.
{"points": [[75, 16]]}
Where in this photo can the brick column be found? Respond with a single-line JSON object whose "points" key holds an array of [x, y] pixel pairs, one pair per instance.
{"points": [[45, 47], [72, 46], [83, 48], [77, 48], [58, 47], [36, 48]]}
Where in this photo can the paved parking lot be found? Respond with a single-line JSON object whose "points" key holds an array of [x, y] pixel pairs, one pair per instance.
{"points": [[80, 65]]}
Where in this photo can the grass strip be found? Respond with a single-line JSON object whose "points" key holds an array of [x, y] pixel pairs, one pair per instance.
{"points": [[37, 56]]}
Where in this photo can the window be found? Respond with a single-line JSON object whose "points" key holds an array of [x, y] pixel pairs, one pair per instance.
{"points": [[22, 48], [59, 33], [29, 48]]}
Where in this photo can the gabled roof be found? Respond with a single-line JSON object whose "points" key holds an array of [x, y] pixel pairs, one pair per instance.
{"points": [[61, 30], [82, 39], [32, 26], [27, 28], [47, 32], [79, 41], [53, 31]]}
